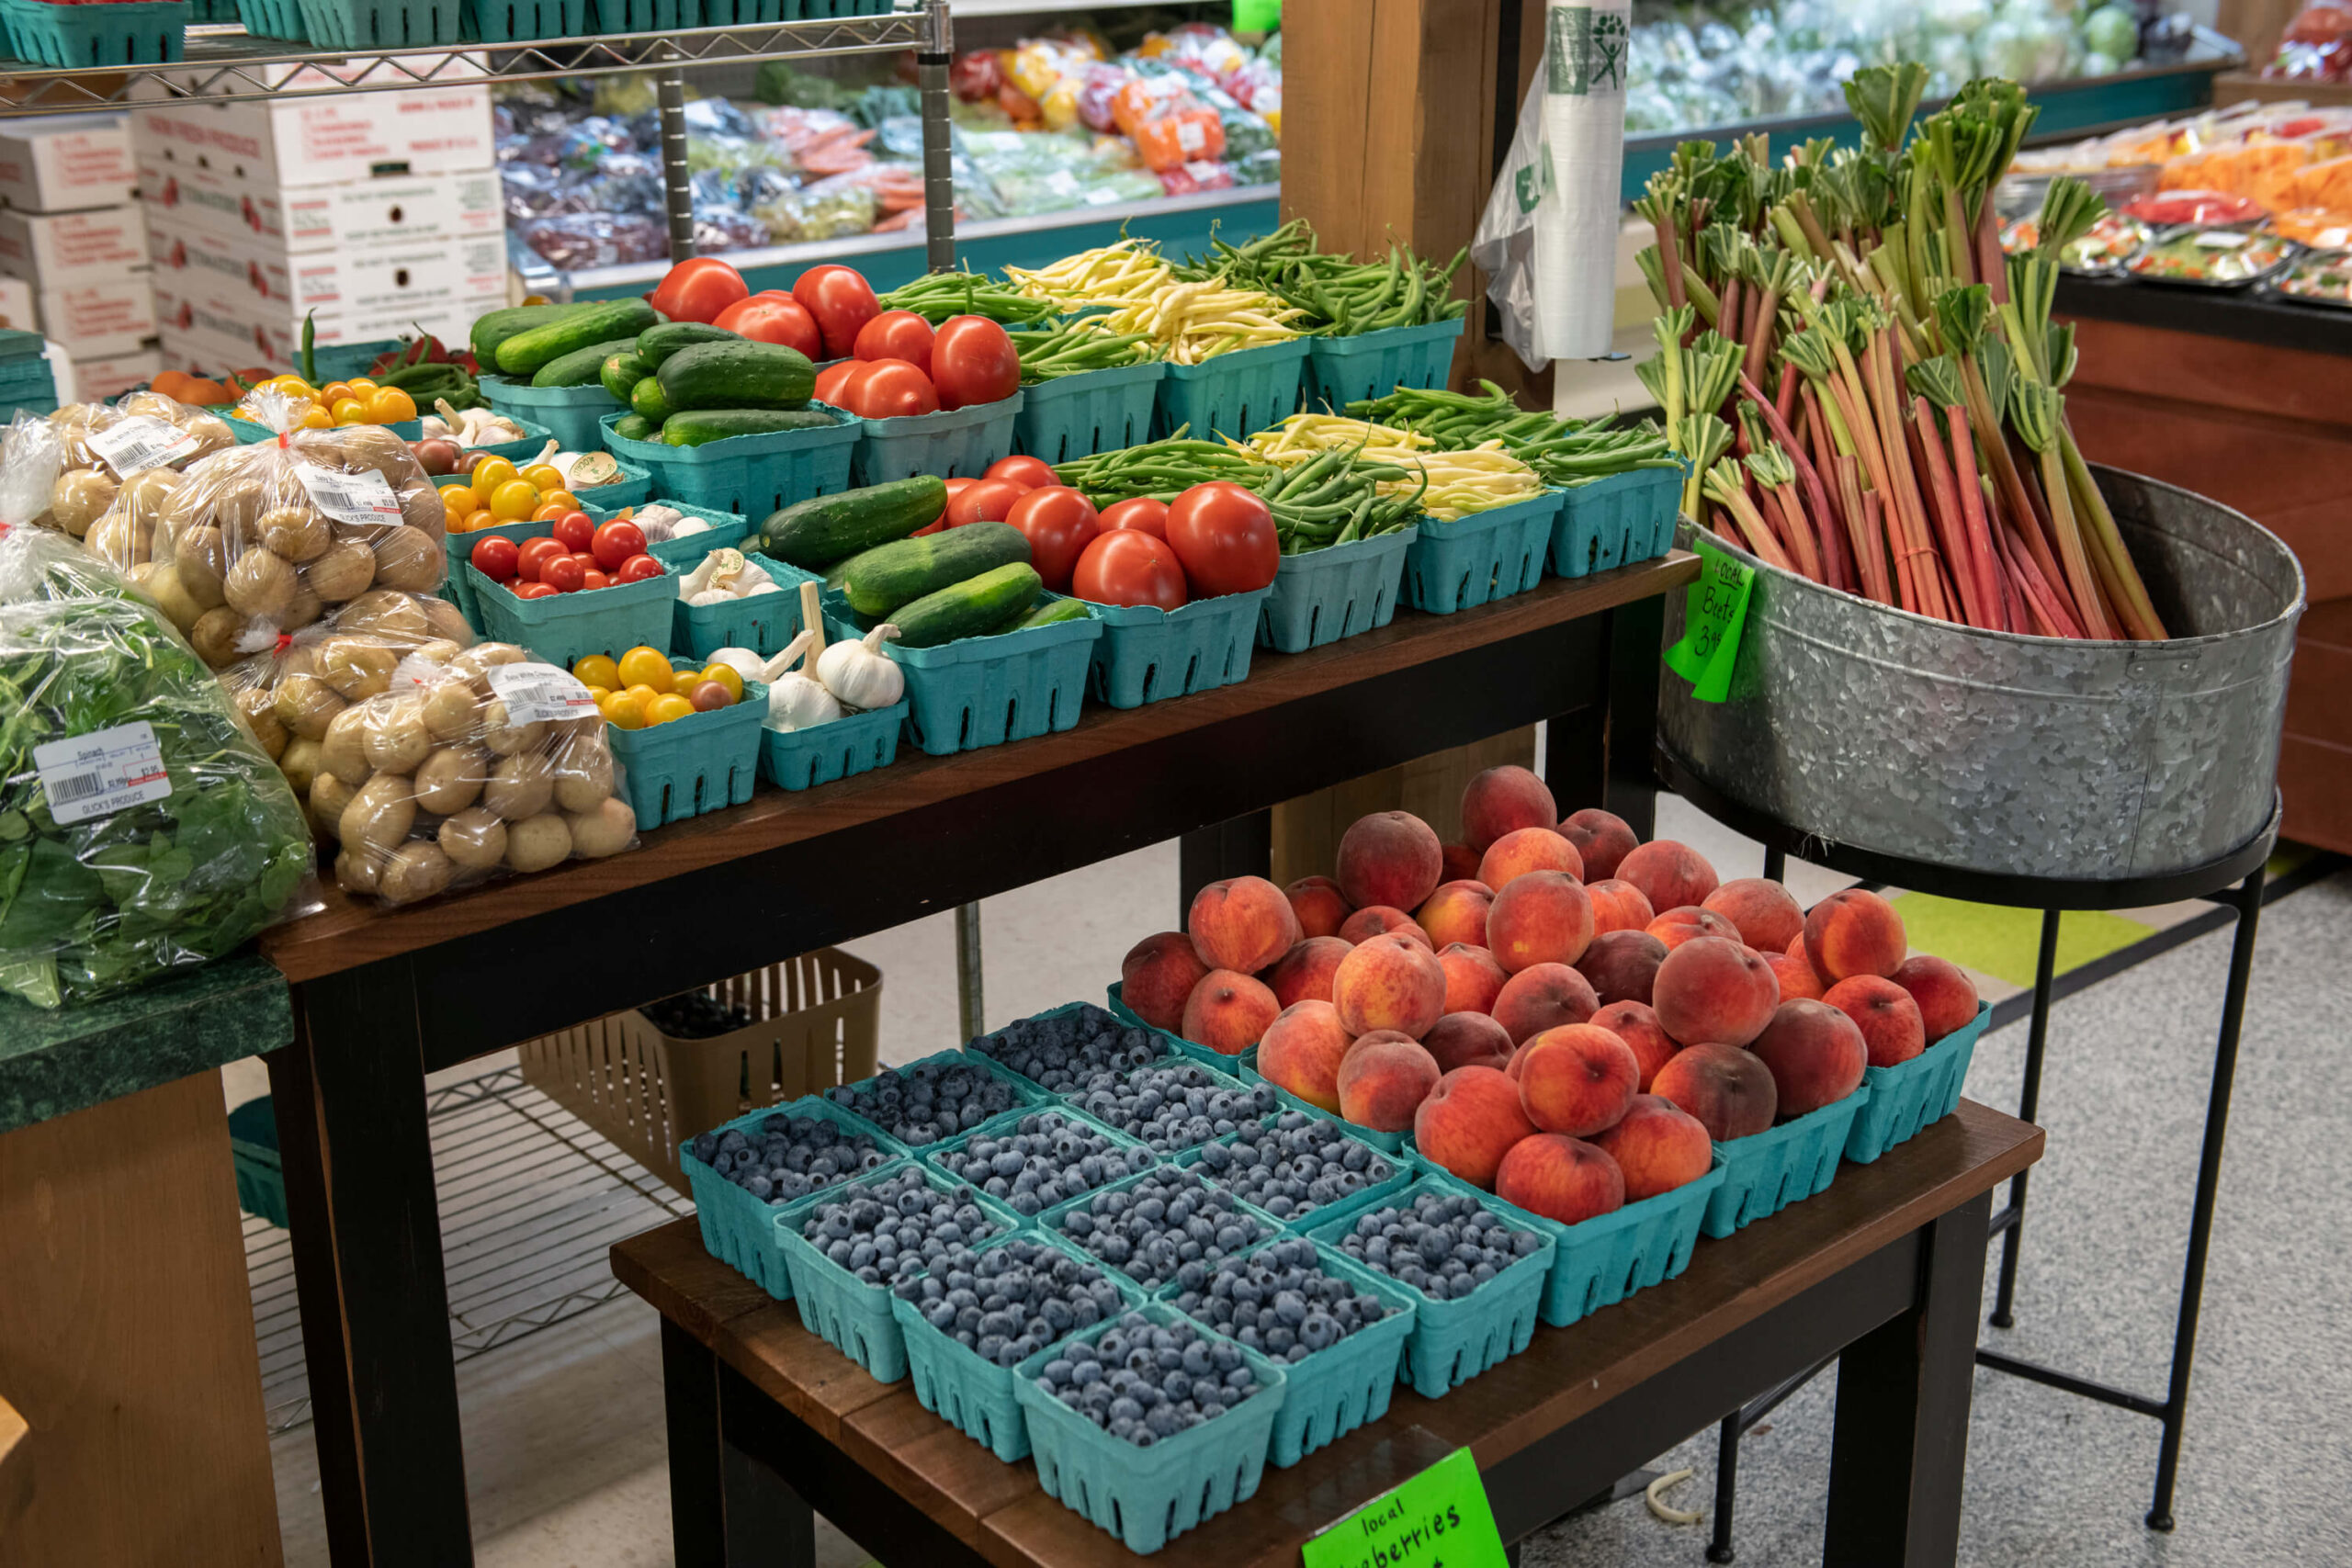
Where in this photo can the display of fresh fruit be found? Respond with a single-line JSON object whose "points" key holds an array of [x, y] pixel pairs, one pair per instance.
{"points": [[898, 363], [784, 1156], [921, 1220], [927, 1102], [1043, 1159], [1060, 1054], [1164, 1222], [1250, 1300], [576, 554], [642, 688]]}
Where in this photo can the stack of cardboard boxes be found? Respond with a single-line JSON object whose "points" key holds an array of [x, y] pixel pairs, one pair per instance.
{"points": [[72, 249]]}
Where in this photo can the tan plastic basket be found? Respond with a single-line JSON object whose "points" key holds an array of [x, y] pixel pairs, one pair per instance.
{"points": [[819, 1022]]}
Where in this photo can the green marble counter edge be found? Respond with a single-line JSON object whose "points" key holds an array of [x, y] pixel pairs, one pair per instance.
{"points": [[53, 1063]]}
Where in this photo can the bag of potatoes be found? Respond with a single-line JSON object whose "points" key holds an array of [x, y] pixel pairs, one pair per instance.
{"points": [[486, 763], [118, 464]]}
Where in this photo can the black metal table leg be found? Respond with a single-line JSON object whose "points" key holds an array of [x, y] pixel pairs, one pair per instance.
{"points": [[1242, 846], [1635, 632], [2036, 1039], [1719, 1547], [1776, 863], [690, 1412]]}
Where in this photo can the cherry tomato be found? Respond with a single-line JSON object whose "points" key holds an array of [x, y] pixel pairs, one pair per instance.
{"points": [[985, 501], [955, 487], [774, 316], [597, 669], [972, 361], [1060, 523], [564, 574], [591, 577], [576, 529], [699, 290], [531, 590], [841, 300], [496, 559], [897, 334], [710, 695], [514, 500], [615, 542], [548, 511], [546, 478], [1127, 566], [536, 553], [637, 568], [489, 473], [1225, 536], [890, 389], [830, 380], [1143, 513], [1035, 472]]}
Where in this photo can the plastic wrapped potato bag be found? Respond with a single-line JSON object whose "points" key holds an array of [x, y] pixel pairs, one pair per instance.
{"points": [[141, 829], [115, 464]]}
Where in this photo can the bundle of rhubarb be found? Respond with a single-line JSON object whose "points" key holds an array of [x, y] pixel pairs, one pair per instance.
{"points": [[1868, 391]]}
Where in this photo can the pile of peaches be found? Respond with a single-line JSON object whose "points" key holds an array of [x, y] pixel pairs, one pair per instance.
{"points": [[1558, 1012]]}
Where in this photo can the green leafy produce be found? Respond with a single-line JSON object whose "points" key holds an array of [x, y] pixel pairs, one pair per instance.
{"points": [[106, 904]]}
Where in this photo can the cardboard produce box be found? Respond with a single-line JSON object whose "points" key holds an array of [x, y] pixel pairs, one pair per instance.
{"points": [[323, 141], [100, 318], [377, 210], [18, 311], [72, 247], [66, 162], [267, 336], [257, 281], [98, 381]]}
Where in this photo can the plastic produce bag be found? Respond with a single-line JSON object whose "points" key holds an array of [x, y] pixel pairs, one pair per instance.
{"points": [[115, 464]]}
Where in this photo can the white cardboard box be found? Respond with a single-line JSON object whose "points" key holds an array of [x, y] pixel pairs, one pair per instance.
{"points": [[253, 338], [17, 310], [323, 218], [98, 319], [65, 163], [325, 140], [66, 248], [256, 280], [105, 379]]}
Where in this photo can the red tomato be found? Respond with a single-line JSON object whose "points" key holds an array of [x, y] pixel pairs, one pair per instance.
{"points": [[831, 379], [934, 526], [839, 298], [496, 559], [1143, 515], [897, 334], [1059, 524], [534, 554], [577, 531], [531, 590], [889, 389], [955, 487], [1035, 472], [615, 542], [699, 290], [591, 577], [1127, 566], [984, 501], [973, 361], [1225, 536], [564, 574], [637, 568], [774, 316]]}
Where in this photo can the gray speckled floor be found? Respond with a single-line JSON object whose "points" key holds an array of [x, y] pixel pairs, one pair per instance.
{"points": [[2056, 1482]]}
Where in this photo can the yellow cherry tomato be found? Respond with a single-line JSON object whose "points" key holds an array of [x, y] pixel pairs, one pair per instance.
{"points": [[598, 670], [334, 392], [292, 383], [477, 520], [668, 706], [623, 710], [550, 510], [360, 386], [643, 693], [597, 693], [546, 476], [459, 501], [389, 405], [489, 473], [315, 418], [514, 501], [347, 412], [557, 497], [726, 675], [643, 666]]}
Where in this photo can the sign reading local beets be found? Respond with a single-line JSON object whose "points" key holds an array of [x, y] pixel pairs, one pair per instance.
{"points": [[1438, 1520]]}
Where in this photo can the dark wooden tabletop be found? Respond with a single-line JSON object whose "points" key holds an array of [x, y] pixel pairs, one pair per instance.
{"points": [[1000, 1511]]}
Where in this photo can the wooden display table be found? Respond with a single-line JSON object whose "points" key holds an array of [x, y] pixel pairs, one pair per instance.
{"points": [[1884, 1270]]}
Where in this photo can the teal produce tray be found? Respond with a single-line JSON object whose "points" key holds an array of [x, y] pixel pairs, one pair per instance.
{"points": [[253, 1149], [742, 13], [984, 691], [634, 488], [1402, 1167], [1051, 1220], [571, 412], [1461, 564], [1392, 1143], [855, 743], [855, 1318], [273, 19], [1146, 1497], [705, 761], [380, 24], [134, 33], [1766, 1173], [212, 10], [1924, 1090], [647, 15], [1342, 370], [565, 628], [1335, 592], [1146, 654], [1232, 394], [1602, 1260], [459, 587], [1094, 411], [725, 529], [953, 444], [249, 434], [342, 361], [1453, 1341], [761, 622], [749, 476], [739, 1229], [1614, 521], [510, 21], [1177, 1044], [1026, 1096], [1166, 1055], [973, 1395]]}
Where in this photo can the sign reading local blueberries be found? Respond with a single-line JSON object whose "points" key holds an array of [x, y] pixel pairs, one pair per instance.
{"points": [[1438, 1520]]}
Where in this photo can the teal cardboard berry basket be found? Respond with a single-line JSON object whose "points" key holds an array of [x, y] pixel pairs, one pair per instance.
{"points": [[1094, 410], [517, 21], [130, 32], [1615, 522], [253, 1148], [1265, 1226], [1232, 394], [705, 761], [1916, 1093], [1167, 1053], [1767, 1171], [463, 580], [1146, 654], [855, 743], [572, 413], [739, 1229], [984, 691], [951, 444], [273, 20], [1391, 1175], [380, 24], [764, 622], [527, 445], [1342, 370], [1461, 563], [725, 530], [1217, 1061], [1337, 592], [1026, 1096], [749, 476], [565, 628], [1392, 1144]]}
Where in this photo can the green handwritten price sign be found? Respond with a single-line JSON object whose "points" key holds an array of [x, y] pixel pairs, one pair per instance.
{"points": [[1257, 16], [1712, 617], [1438, 1520]]}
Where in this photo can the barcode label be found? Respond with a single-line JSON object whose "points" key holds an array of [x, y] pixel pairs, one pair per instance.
{"points": [[135, 445], [536, 692], [97, 774], [361, 498]]}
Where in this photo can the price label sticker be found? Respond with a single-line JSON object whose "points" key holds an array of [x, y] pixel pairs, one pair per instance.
{"points": [[2222, 239], [102, 773], [135, 445], [1100, 196], [536, 692], [363, 497], [1438, 1520], [1190, 136], [1713, 615]]}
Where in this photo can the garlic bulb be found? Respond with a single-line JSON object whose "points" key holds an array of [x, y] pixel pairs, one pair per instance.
{"points": [[795, 701], [861, 673], [742, 661]]}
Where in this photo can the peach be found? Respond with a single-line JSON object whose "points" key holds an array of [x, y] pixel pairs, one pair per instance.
{"points": [[1500, 801], [1947, 996], [1156, 977], [1319, 904], [1464, 1039], [1659, 1146], [1457, 863], [1603, 837], [1389, 857], [1678, 926], [1456, 912], [1618, 906], [1713, 991], [1304, 974], [1561, 1178], [1578, 1079], [1892, 1030], [1389, 982], [1227, 1012], [1638, 1025], [1728, 1090], [1541, 998], [1469, 1121], [1301, 1052], [1544, 917], [1383, 1082], [1244, 922], [1794, 971], [1379, 919], [1523, 850], [1668, 874], [1854, 932], [1766, 913], [1622, 965], [1815, 1054], [1473, 979]]}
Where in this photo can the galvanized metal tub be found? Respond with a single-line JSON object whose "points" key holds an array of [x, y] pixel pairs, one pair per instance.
{"points": [[2017, 755]]}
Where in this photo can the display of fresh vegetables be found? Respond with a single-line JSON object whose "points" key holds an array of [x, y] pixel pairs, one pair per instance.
{"points": [[2218, 258], [576, 554], [1140, 293], [1868, 392], [1159, 469], [486, 490], [1083, 343], [2325, 279], [936, 296], [1441, 484], [643, 687], [1563, 453], [901, 366], [358, 400], [1336, 295]]}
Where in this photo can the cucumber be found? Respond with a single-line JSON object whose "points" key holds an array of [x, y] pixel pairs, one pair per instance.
{"points": [[692, 427], [579, 369], [740, 375], [978, 606], [621, 372], [827, 528], [878, 582], [834, 573], [495, 327], [583, 327], [655, 344], [635, 427], [646, 400], [1051, 613]]}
